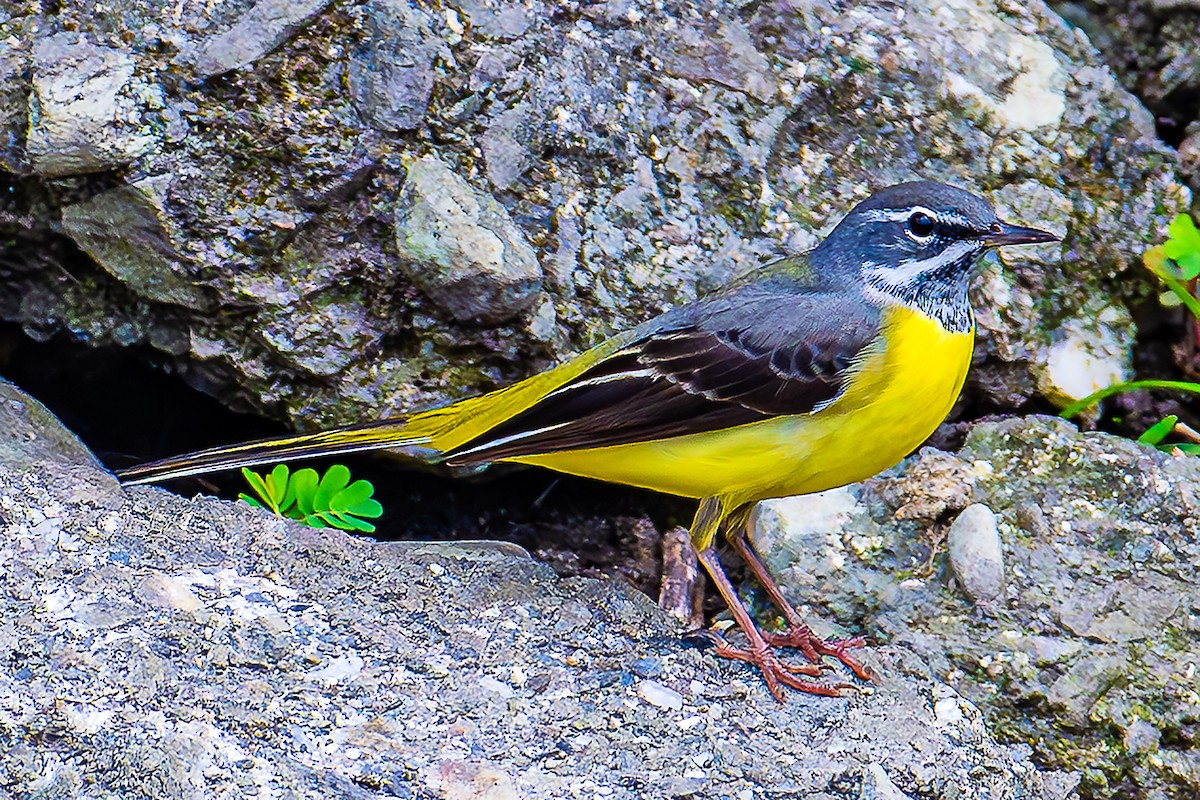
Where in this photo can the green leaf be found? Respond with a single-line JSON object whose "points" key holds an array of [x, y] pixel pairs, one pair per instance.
{"points": [[1159, 430], [250, 501], [1189, 265], [355, 524], [332, 482], [278, 483], [1188, 448], [356, 499], [354, 493], [305, 484], [256, 483], [264, 487], [1155, 259], [1183, 233], [313, 521], [1183, 246], [347, 522], [329, 500], [365, 508]]}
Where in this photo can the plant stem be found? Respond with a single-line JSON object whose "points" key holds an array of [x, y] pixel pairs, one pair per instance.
{"points": [[1185, 296], [1187, 431], [1127, 386]]}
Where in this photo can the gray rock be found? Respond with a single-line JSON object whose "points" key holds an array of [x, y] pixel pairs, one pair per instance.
{"points": [[15, 63], [1094, 634], [460, 246], [391, 76], [506, 148], [256, 31], [1151, 48], [976, 554], [878, 786], [88, 107], [123, 231], [182, 647], [32, 436]]}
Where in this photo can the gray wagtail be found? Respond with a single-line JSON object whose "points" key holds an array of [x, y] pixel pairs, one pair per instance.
{"points": [[810, 373]]}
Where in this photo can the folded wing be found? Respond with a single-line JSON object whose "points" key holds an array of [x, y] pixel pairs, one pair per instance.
{"points": [[756, 353]]}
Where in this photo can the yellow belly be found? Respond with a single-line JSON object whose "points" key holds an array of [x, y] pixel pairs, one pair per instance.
{"points": [[899, 395]]}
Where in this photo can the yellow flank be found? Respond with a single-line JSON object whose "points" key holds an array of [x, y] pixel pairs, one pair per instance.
{"points": [[898, 395]]}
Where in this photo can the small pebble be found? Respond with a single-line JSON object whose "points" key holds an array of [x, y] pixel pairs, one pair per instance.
{"points": [[496, 687], [647, 667], [976, 555], [660, 696]]}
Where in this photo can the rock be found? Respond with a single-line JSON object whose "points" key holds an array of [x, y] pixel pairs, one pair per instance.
{"points": [[976, 555], [87, 108], [1189, 151], [1087, 355], [878, 786], [15, 65], [123, 231], [814, 523], [32, 436], [644, 152], [256, 31], [660, 696], [188, 646], [506, 149], [1151, 48], [1094, 630], [391, 76], [305, 334], [461, 247]]}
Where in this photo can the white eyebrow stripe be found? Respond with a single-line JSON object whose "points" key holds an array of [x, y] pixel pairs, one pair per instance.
{"points": [[896, 214], [902, 215]]}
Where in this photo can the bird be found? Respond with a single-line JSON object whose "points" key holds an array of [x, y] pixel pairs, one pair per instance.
{"points": [[812, 371]]}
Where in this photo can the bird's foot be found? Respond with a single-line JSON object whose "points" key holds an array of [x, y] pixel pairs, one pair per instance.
{"points": [[778, 673], [801, 637]]}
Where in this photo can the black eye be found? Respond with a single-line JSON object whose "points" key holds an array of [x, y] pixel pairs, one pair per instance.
{"points": [[920, 225]]}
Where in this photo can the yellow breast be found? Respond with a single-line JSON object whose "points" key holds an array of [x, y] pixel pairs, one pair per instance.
{"points": [[903, 388], [903, 392]]}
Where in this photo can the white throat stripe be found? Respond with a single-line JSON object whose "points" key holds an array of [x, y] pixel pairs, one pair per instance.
{"points": [[907, 271]]}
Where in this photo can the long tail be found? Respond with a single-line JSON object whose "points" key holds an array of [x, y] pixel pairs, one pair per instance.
{"points": [[424, 436], [381, 435]]}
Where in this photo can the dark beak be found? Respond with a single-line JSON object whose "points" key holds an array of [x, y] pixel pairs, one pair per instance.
{"points": [[1002, 233]]}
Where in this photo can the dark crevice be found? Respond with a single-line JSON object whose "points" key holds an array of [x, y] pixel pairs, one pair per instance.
{"points": [[125, 404], [1176, 113], [122, 402]]}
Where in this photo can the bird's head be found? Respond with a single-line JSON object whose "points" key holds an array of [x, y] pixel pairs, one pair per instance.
{"points": [[918, 243]]}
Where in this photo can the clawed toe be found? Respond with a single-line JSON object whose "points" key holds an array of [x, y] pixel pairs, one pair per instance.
{"points": [[779, 673], [814, 647], [759, 648]]}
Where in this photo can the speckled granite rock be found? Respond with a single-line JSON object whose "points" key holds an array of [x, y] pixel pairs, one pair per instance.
{"points": [[1089, 653], [155, 646], [1152, 46], [643, 151]]}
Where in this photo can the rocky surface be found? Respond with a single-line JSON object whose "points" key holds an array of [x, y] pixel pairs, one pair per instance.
{"points": [[1152, 48], [156, 646], [1082, 643], [250, 181]]}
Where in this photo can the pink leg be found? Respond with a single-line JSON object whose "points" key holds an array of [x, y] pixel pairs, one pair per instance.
{"points": [[758, 651], [797, 634]]}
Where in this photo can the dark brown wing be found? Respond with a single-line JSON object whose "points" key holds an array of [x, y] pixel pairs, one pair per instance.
{"points": [[756, 353]]}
